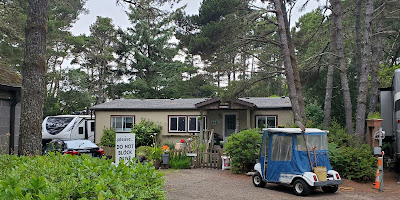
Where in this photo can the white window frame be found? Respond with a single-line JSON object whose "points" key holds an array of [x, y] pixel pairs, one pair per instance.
{"points": [[197, 123], [177, 124], [266, 121], [123, 117]]}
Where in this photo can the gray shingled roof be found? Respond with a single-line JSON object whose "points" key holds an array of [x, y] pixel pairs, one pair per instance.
{"points": [[145, 104], [176, 104], [269, 102]]}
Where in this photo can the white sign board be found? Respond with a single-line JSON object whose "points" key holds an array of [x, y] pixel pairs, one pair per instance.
{"points": [[124, 147]]}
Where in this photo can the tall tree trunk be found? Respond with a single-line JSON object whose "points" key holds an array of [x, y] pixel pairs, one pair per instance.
{"points": [[329, 75], [302, 106], [377, 56], [287, 61], [337, 10], [33, 85], [358, 40], [365, 61]]}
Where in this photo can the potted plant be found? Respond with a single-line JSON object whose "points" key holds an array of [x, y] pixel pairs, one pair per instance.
{"points": [[143, 153], [165, 155], [374, 119]]}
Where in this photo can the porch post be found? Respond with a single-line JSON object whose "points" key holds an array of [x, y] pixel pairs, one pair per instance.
{"points": [[248, 118], [201, 127]]}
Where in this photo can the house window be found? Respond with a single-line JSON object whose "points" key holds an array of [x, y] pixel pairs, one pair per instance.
{"points": [[194, 123], [266, 122], [122, 123], [177, 123]]}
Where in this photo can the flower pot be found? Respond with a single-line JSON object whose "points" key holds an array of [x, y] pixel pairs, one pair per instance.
{"points": [[374, 122], [165, 158]]}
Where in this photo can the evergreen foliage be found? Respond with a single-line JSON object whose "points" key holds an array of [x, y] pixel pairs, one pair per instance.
{"points": [[108, 138], [146, 132], [243, 148]]}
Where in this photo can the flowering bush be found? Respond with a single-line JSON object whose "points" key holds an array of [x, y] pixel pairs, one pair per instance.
{"points": [[165, 148]]}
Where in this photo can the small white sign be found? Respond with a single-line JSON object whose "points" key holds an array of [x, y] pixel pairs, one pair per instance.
{"points": [[124, 147]]}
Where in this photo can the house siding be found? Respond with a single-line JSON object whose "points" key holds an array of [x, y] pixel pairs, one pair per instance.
{"points": [[103, 120]]}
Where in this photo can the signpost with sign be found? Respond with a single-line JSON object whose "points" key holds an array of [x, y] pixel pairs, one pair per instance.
{"points": [[124, 147]]}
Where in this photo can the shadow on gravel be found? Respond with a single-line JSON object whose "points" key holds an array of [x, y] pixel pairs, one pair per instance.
{"points": [[289, 190]]}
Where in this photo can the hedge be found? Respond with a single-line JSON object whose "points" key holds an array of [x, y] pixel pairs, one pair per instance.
{"points": [[76, 177]]}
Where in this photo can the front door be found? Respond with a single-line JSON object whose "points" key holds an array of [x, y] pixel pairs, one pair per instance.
{"points": [[229, 125]]}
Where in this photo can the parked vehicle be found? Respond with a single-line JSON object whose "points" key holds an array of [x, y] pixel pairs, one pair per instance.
{"points": [[68, 127], [290, 157], [73, 147], [390, 112]]}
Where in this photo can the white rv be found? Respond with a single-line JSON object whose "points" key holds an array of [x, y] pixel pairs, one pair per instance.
{"points": [[68, 127], [390, 112]]}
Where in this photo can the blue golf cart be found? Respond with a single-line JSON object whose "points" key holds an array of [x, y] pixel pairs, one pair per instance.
{"points": [[290, 156]]}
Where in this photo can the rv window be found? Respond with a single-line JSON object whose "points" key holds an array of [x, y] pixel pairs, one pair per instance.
{"points": [[281, 148], [92, 126], [80, 130], [318, 141], [55, 125]]}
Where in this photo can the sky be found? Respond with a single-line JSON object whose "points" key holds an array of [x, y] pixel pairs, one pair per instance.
{"points": [[109, 8]]}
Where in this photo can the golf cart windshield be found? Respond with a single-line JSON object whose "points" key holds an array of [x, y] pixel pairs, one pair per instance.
{"points": [[318, 141]]}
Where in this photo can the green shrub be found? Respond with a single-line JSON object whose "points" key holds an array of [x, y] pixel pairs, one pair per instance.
{"points": [[144, 151], [156, 153], [146, 131], [354, 162], [243, 148], [180, 162], [108, 138], [338, 135], [76, 177]]}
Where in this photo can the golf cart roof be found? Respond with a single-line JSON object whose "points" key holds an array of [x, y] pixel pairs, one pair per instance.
{"points": [[294, 130]]}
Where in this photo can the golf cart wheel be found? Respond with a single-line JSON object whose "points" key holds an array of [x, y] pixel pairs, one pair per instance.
{"points": [[330, 189], [301, 188], [257, 180]]}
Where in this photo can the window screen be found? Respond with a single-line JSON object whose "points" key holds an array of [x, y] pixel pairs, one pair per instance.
{"points": [[281, 148], [177, 123], [194, 123], [122, 123], [181, 123], [266, 122]]}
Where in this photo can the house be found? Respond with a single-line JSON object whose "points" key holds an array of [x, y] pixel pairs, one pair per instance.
{"points": [[10, 110], [180, 118]]}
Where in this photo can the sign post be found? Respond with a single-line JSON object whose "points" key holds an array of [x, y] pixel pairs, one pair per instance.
{"points": [[124, 147]]}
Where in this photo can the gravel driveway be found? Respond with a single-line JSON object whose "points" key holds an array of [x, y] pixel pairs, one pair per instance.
{"points": [[210, 184]]}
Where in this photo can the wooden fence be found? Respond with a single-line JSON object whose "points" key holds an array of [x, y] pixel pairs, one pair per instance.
{"points": [[206, 159]]}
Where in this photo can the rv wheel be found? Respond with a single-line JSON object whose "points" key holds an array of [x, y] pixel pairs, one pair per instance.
{"points": [[330, 189], [301, 188], [257, 180]]}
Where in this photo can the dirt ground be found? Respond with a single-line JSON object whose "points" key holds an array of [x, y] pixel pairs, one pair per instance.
{"points": [[210, 184]]}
